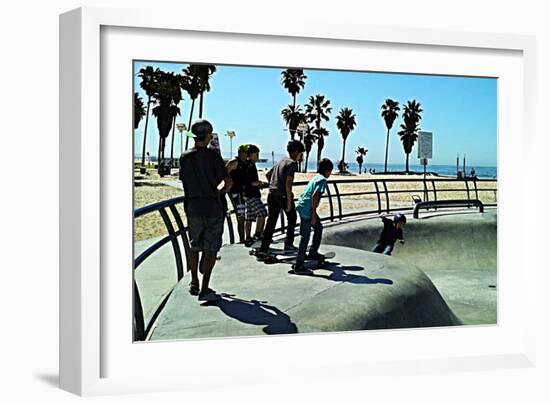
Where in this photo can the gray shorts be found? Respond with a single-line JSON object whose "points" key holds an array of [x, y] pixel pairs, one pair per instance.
{"points": [[255, 209], [205, 233]]}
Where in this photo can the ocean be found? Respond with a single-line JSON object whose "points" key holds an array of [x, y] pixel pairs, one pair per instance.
{"points": [[443, 170]]}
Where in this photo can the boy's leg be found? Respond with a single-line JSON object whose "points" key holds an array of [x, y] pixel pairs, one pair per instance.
{"points": [[378, 248], [194, 266], [305, 233], [317, 234], [388, 249], [273, 207], [207, 264], [260, 227], [291, 223]]}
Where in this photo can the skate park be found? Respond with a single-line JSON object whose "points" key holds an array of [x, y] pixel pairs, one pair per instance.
{"points": [[444, 275]]}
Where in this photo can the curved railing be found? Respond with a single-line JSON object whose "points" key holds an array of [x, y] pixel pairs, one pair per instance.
{"points": [[382, 195]]}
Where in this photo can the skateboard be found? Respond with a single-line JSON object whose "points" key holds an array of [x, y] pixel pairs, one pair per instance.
{"points": [[308, 264]]}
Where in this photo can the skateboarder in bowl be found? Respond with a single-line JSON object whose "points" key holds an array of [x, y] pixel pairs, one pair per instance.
{"points": [[307, 209], [393, 230]]}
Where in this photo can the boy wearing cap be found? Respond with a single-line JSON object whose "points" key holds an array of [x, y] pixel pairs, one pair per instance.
{"points": [[255, 209], [393, 230], [237, 170], [202, 171]]}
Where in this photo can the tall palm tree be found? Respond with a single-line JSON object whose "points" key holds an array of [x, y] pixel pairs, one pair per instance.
{"points": [[361, 151], [176, 83], [149, 84], [293, 80], [409, 128], [166, 109], [345, 122], [293, 116], [204, 73], [309, 139], [139, 110], [390, 112], [320, 133], [191, 85], [318, 110]]}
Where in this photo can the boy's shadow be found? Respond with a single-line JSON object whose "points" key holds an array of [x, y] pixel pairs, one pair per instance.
{"points": [[339, 274], [256, 313]]}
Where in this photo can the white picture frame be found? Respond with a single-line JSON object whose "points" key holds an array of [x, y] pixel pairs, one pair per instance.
{"points": [[88, 316]]}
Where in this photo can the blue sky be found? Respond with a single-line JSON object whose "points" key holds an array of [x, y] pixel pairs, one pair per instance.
{"points": [[460, 111]]}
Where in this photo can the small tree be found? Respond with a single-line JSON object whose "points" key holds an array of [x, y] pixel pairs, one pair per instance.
{"points": [[361, 151]]}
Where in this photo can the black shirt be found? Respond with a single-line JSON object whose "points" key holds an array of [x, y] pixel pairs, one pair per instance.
{"points": [[238, 176], [389, 234], [284, 169], [252, 176], [201, 171]]}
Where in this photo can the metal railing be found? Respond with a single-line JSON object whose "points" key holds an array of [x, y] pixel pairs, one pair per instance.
{"points": [[383, 201]]}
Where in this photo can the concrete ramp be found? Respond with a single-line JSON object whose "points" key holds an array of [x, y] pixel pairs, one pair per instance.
{"points": [[457, 251], [360, 290]]}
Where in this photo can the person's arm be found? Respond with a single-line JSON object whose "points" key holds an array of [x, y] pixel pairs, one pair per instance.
{"points": [[269, 174], [400, 236], [231, 165], [314, 204], [289, 195]]}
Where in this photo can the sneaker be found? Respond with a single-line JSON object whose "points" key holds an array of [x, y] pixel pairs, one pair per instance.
{"points": [[249, 242], [315, 256], [209, 296], [194, 289], [290, 248], [301, 270]]}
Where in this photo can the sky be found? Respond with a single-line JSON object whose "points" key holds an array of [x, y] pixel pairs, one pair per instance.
{"points": [[461, 112]]}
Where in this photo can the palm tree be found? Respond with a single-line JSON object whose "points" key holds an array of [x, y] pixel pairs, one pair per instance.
{"points": [[360, 152], [345, 122], [409, 128], [320, 133], [176, 84], [139, 110], [203, 73], [293, 116], [390, 112], [191, 85], [293, 80], [166, 109], [318, 110], [309, 139], [149, 84]]}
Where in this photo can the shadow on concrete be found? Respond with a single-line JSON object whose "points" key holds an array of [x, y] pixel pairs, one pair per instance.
{"points": [[339, 273], [256, 312]]}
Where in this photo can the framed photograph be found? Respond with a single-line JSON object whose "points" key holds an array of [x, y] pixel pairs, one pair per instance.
{"points": [[257, 194]]}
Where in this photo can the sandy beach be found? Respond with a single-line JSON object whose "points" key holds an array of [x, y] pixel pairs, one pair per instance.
{"points": [[152, 188]]}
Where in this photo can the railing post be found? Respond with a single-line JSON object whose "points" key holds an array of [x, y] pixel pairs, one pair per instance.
{"points": [[387, 196], [339, 201], [139, 320], [331, 207], [183, 232], [174, 240], [378, 197]]}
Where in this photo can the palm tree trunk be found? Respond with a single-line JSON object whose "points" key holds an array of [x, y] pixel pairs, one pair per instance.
{"points": [[360, 165], [407, 164], [145, 132], [201, 105], [387, 145], [320, 145], [307, 158], [189, 125], [172, 145], [343, 155]]}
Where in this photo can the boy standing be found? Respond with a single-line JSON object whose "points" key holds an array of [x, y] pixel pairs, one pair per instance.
{"points": [[307, 208], [237, 170], [281, 179], [255, 210], [393, 230], [202, 170]]}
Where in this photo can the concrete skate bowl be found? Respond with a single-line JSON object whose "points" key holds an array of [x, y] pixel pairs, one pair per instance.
{"points": [[458, 252]]}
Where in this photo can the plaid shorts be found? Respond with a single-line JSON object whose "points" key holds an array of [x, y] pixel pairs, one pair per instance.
{"points": [[237, 199], [255, 209]]}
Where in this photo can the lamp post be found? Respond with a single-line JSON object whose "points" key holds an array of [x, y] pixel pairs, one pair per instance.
{"points": [[181, 128], [230, 134]]}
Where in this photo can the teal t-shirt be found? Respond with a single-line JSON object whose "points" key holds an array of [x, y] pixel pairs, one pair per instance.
{"points": [[304, 207]]}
